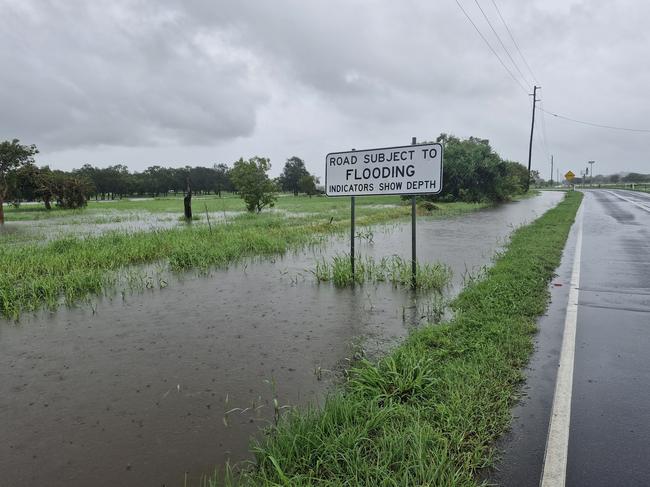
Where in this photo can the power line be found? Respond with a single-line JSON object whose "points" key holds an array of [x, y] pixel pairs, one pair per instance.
{"points": [[544, 136], [501, 42], [492, 49], [541, 145], [515, 42], [592, 124]]}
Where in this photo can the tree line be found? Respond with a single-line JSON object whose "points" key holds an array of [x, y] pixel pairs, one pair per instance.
{"points": [[473, 172], [631, 177], [28, 182], [22, 180]]}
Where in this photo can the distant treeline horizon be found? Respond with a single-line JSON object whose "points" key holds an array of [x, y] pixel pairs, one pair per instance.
{"points": [[118, 181], [473, 172]]}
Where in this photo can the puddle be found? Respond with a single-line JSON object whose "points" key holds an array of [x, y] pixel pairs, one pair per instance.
{"points": [[135, 391], [99, 223]]}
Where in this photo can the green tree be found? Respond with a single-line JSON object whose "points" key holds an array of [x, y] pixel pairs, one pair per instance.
{"points": [[635, 177], [473, 172], [22, 184], [307, 184], [73, 192], [13, 155], [116, 180], [91, 174], [47, 186], [294, 170], [157, 180], [518, 176], [252, 181], [222, 180]]}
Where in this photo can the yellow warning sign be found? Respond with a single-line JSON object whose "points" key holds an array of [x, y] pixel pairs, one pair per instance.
{"points": [[569, 176]]}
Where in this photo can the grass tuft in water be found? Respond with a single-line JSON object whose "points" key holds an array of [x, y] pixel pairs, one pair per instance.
{"points": [[391, 269]]}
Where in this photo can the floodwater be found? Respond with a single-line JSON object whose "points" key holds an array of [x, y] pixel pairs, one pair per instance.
{"points": [[140, 389], [94, 223]]}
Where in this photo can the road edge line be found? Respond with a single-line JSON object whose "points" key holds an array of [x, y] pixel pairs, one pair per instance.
{"points": [[557, 443], [635, 203]]}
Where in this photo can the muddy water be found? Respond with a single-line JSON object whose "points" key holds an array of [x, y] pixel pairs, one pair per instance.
{"points": [[138, 390]]}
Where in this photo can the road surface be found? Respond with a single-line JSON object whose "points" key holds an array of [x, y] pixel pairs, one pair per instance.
{"points": [[585, 419]]}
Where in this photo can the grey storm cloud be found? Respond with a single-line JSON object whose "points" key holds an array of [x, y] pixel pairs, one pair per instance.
{"points": [[92, 73], [172, 81], [138, 72]]}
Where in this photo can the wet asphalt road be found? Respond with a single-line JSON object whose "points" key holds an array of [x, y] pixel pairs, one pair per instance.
{"points": [[609, 435]]}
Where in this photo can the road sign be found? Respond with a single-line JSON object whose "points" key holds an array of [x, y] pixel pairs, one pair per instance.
{"points": [[569, 176], [410, 169]]}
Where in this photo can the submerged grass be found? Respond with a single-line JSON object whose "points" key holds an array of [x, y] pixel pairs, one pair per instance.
{"points": [[71, 269], [227, 203], [429, 412], [391, 269]]}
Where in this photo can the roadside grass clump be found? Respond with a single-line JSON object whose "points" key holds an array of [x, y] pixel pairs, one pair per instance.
{"points": [[429, 412], [393, 269]]}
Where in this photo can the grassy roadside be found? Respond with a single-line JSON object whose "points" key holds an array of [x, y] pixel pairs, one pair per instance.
{"points": [[71, 269], [430, 411]]}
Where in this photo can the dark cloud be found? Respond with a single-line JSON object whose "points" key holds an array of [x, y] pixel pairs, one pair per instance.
{"points": [[171, 81], [84, 74]]}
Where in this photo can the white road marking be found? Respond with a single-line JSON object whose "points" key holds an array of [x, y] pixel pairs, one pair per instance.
{"points": [[557, 443], [636, 203]]}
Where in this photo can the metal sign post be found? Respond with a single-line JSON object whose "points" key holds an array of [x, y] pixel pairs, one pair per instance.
{"points": [[352, 232], [352, 235], [405, 170], [413, 234]]}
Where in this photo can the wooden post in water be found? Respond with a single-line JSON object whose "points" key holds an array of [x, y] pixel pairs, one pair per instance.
{"points": [[187, 202], [413, 233]]}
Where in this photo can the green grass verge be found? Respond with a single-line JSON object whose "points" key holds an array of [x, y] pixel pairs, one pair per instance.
{"points": [[72, 269], [429, 412]]}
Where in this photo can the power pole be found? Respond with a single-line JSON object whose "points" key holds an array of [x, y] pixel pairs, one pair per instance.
{"points": [[532, 127], [551, 169], [591, 163]]}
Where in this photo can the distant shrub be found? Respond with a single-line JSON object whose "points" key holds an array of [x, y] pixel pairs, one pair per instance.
{"points": [[473, 172]]}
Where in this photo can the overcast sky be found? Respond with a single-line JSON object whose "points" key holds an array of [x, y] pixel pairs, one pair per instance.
{"points": [[173, 82]]}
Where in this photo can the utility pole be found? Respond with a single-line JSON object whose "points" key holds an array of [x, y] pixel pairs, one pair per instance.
{"points": [[591, 163], [532, 127], [551, 169]]}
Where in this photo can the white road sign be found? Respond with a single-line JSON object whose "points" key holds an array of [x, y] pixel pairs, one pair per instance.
{"points": [[411, 169]]}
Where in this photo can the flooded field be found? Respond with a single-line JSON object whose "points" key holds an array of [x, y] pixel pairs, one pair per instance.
{"points": [[139, 389], [101, 222]]}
